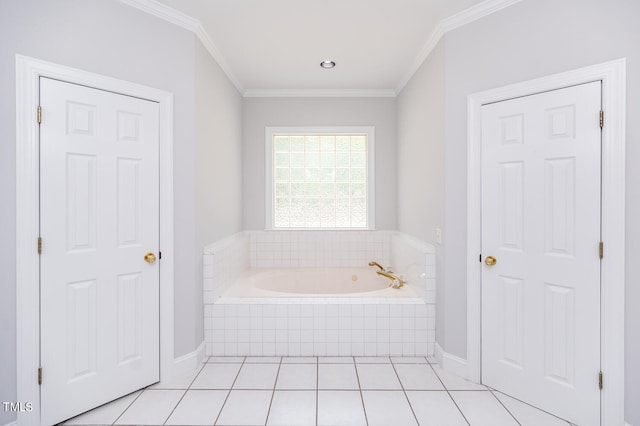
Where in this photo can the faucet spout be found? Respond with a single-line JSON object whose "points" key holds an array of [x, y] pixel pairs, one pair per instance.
{"points": [[396, 282], [372, 263]]}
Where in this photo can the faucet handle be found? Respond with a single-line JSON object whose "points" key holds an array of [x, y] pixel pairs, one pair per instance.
{"points": [[374, 263]]}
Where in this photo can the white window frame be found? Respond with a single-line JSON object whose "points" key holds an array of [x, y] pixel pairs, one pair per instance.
{"points": [[269, 186]]}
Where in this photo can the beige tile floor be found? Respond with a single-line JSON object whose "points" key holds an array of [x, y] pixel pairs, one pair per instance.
{"points": [[318, 391]]}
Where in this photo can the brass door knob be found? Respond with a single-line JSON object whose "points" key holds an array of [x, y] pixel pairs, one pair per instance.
{"points": [[150, 258], [490, 261]]}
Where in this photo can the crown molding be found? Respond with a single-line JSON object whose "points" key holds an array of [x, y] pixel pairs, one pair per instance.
{"points": [[458, 20], [208, 44], [319, 93], [431, 43], [162, 11], [159, 10], [173, 16], [474, 13]]}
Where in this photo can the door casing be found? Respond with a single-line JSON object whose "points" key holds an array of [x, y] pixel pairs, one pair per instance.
{"points": [[28, 73], [613, 77]]}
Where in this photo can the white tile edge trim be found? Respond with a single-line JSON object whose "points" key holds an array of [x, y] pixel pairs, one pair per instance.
{"points": [[416, 243], [451, 363], [187, 362], [224, 243]]}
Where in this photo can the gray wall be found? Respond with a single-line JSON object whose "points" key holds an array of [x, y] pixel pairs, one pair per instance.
{"points": [[421, 162], [110, 38], [218, 171], [261, 112], [528, 40]]}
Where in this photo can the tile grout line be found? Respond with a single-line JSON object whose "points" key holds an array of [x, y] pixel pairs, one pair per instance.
{"points": [[127, 407], [364, 409], [230, 389], [317, 385], [185, 391], [273, 393], [532, 406], [504, 406], [449, 393], [404, 392]]}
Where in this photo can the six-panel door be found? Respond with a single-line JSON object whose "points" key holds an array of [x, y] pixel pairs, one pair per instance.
{"points": [[541, 221], [99, 217]]}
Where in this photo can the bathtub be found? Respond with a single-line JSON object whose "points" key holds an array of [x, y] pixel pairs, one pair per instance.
{"points": [[312, 294], [316, 283]]}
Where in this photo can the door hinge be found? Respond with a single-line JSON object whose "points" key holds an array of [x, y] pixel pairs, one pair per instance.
{"points": [[39, 245], [40, 375], [39, 114], [601, 119], [600, 380], [601, 249]]}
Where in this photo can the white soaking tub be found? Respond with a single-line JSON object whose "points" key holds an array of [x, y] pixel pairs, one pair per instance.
{"points": [[310, 283]]}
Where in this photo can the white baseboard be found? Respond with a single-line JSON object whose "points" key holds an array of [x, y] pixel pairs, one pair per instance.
{"points": [[15, 423], [187, 363], [451, 363]]}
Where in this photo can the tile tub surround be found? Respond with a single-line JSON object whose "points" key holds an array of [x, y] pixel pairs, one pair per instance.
{"points": [[320, 329], [314, 326]]}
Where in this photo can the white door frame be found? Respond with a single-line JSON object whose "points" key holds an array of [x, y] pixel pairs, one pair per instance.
{"points": [[28, 72], [613, 77]]}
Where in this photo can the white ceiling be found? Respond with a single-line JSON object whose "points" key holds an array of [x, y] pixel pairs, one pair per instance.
{"points": [[277, 45]]}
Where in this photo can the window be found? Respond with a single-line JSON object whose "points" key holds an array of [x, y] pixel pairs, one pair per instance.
{"points": [[319, 178]]}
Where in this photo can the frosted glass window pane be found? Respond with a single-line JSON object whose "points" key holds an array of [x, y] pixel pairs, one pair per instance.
{"points": [[297, 175], [358, 174], [281, 143], [327, 159], [312, 159], [358, 212], [327, 190], [358, 159], [343, 159], [312, 211], [320, 181], [342, 190], [298, 189], [282, 174], [297, 143], [282, 212], [358, 143], [358, 189], [312, 174], [312, 144], [343, 215], [342, 175], [297, 213], [327, 143], [328, 212], [327, 174], [313, 189], [343, 143], [282, 190], [297, 159], [282, 160]]}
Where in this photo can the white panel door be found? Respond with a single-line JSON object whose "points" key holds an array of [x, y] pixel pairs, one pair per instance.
{"points": [[541, 222], [99, 217]]}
